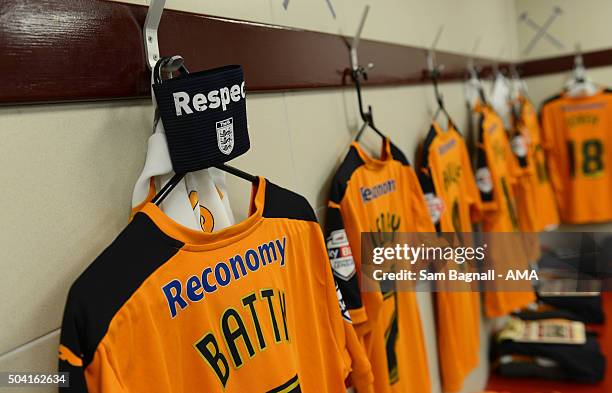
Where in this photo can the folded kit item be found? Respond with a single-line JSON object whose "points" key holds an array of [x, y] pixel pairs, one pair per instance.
{"points": [[582, 363]]}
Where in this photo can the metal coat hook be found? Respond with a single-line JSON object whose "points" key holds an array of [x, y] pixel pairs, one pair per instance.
{"points": [[156, 8], [471, 65], [542, 30], [432, 65], [357, 38], [434, 69], [358, 72], [579, 70], [474, 71]]}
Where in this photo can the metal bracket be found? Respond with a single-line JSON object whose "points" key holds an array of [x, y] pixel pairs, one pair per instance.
{"points": [[579, 69], [357, 37], [432, 63], [156, 8], [541, 30], [471, 63]]}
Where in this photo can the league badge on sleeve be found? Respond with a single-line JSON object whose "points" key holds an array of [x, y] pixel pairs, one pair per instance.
{"points": [[340, 255]]}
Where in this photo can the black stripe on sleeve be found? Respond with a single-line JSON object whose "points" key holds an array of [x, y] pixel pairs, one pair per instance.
{"points": [[398, 155], [104, 287], [349, 165]]}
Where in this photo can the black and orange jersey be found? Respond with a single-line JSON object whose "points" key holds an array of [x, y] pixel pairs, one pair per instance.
{"points": [[545, 215], [577, 137], [496, 176], [446, 173], [250, 308], [379, 195], [450, 187]]}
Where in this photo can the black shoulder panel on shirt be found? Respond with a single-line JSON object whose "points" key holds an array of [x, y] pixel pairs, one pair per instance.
{"points": [[426, 145], [457, 130], [480, 129], [349, 165], [106, 285], [282, 203], [398, 155]]}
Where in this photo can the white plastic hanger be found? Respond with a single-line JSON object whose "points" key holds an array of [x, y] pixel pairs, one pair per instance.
{"points": [[500, 97], [579, 84]]}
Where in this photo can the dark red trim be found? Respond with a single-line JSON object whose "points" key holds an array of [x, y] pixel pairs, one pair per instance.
{"points": [[78, 50], [553, 65]]}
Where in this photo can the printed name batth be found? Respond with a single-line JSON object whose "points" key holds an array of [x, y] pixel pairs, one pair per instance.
{"points": [[453, 275]]}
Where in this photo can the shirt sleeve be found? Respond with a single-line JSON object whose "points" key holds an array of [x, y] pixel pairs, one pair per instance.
{"points": [[431, 198], [360, 377], [421, 217], [551, 150], [70, 352], [484, 179], [343, 264], [470, 187]]}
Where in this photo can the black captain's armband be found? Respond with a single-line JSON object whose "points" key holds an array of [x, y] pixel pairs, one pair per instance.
{"points": [[238, 343]]}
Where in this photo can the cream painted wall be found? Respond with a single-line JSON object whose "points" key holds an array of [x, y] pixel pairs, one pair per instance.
{"points": [[409, 22], [583, 21], [69, 170]]}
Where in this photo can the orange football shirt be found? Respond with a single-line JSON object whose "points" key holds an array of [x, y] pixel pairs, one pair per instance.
{"points": [[379, 195], [577, 137], [250, 308], [449, 184], [546, 215], [496, 176], [528, 188]]}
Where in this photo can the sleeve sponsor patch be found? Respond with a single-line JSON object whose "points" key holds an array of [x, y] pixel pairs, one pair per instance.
{"points": [[435, 206], [519, 146], [483, 180], [340, 255]]}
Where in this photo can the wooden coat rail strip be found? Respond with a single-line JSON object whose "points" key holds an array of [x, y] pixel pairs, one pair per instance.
{"points": [[79, 50], [75, 50], [553, 65]]}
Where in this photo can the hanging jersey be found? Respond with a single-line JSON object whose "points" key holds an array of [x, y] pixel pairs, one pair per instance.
{"points": [[379, 195], [496, 172], [251, 308], [546, 214], [526, 184], [578, 140], [448, 181], [496, 176]]}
